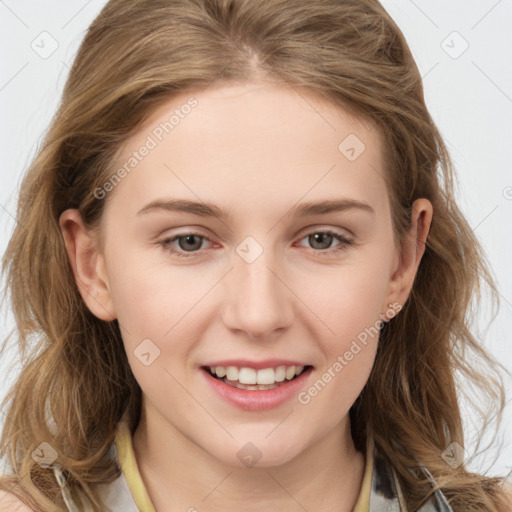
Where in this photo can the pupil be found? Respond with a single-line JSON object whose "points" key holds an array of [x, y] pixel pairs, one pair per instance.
{"points": [[189, 240], [317, 238]]}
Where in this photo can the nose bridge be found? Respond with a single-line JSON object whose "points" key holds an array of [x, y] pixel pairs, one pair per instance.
{"points": [[257, 301]]}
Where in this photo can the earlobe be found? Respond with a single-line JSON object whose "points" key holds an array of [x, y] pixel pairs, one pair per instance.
{"points": [[87, 264], [411, 251]]}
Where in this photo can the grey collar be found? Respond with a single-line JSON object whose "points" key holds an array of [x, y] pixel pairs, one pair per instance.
{"points": [[386, 494]]}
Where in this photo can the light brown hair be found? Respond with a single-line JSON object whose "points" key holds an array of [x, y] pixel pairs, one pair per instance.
{"points": [[138, 54]]}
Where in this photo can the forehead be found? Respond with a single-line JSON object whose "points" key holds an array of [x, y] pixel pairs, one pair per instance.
{"points": [[250, 145]]}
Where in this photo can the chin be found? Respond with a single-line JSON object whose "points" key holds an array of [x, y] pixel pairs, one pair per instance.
{"points": [[260, 452]]}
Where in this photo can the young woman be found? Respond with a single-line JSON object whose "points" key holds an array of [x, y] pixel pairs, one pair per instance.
{"points": [[240, 251]]}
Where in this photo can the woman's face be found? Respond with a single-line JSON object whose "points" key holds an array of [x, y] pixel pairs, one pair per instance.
{"points": [[213, 255]]}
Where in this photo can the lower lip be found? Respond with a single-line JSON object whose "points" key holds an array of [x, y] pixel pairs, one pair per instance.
{"points": [[256, 400]]}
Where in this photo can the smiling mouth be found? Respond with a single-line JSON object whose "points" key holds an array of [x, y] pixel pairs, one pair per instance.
{"points": [[256, 380]]}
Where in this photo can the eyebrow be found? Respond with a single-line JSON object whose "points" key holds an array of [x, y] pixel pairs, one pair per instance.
{"points": [[211, 210]]}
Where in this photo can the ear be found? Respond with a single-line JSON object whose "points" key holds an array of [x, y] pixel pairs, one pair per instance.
{"points": [[88, 265], [410, 252]]}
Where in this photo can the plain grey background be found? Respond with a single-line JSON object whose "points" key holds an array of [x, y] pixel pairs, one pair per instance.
{"points": [[464, 52]]}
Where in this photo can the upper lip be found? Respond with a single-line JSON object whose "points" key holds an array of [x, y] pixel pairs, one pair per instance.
{"points": [[257, 365]]}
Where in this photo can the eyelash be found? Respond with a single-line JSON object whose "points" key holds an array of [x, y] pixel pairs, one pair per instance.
{"points": [[343, 245]]}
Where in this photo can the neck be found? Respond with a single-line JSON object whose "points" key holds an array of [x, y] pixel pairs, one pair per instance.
{"points": [[327, 475]]}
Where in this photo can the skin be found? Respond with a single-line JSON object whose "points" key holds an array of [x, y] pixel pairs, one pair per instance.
{"points": [[255, 150]]}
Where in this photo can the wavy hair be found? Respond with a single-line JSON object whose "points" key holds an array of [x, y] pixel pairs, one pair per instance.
{"points": [[76, 383]]}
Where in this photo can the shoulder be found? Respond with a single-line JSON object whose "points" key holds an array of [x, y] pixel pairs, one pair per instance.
{"points": [[508, 495], [10, 503]]}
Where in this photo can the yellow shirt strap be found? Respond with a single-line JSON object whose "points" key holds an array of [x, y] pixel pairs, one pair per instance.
{"points": [[130, 469], [363, 502]]}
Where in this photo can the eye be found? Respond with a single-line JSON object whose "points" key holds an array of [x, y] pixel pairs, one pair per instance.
{"points": [[322, 240], [187, 242]]}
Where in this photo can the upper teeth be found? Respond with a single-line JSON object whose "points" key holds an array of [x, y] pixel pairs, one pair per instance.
{"points": [[247, 375]]}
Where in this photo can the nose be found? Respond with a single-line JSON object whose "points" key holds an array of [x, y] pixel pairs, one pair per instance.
{"points": [[258, 301]]}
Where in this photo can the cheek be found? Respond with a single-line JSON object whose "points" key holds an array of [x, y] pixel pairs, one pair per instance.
{"points": [[349, 305], [161, 310], [348, 298], [150, 295], [152, 308]]}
